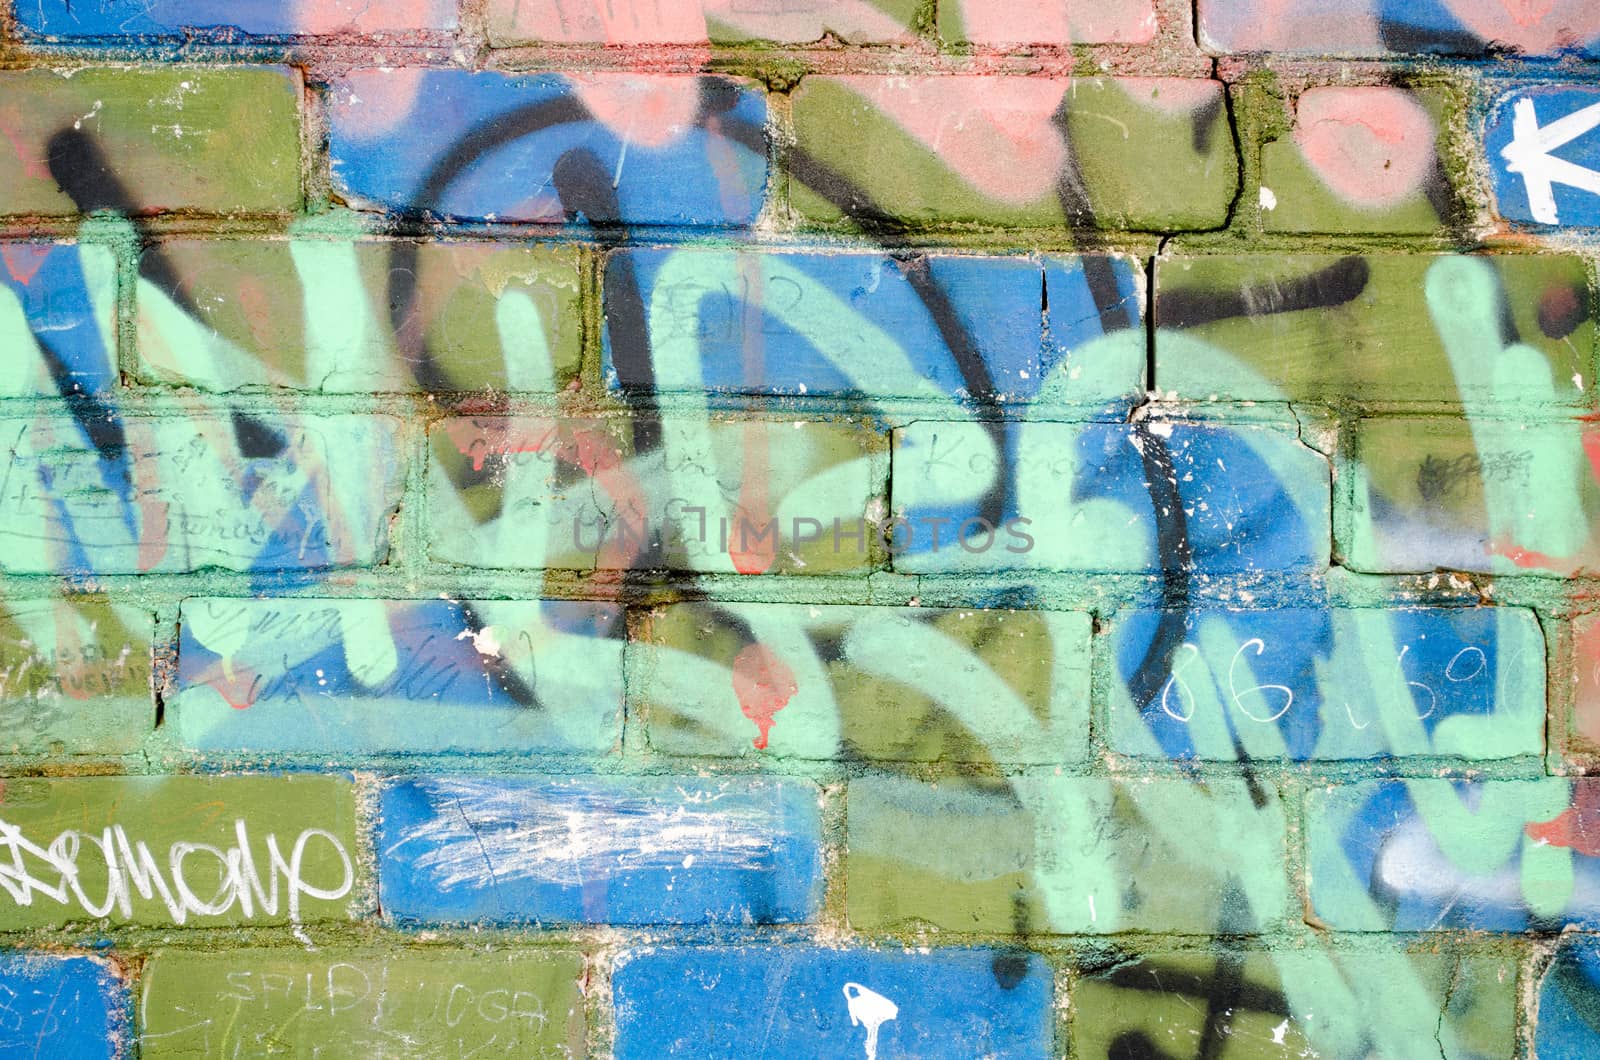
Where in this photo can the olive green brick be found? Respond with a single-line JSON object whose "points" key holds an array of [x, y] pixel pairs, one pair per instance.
{"points": [[1038, 854], [1325, 328], [362, 317], [1135, 153], [178, 850], [891, 684], [74, 677], [212, 140], [332, 1002], [1319, 1001]]}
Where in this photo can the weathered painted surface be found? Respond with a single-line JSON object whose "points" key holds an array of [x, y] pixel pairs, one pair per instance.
{"points": [[777, 527], [957, 1003], [623, 850], [438, 1002]]}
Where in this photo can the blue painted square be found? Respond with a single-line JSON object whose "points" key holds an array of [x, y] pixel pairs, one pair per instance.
{"points": [[1568, 1024], [802, 1003], [66, 1008], [593, 850], [614, 149], [1546, 173]]}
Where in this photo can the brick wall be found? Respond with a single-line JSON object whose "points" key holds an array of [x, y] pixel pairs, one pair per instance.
{"points": [[814, 528]]}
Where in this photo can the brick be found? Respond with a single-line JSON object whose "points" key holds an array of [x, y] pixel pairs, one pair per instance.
{"points": [[1339, 1004], [1148, 153], [600, 850], [150, 140], [136, 495], [358, 317], [642, 493], [61, 1006], [644, 22], [74, 677], [1086, 497], [57, 319], [891, 684], [1377, 327], [1374, 28], [1440, 855], [371, 676], [1359, 159], [1297, 683], [1055, 23], [611, 147], [1530, 193], [438, 1002], [65, 19], [1042, 854], [177, 850], [1564, 1022], [942, 1005], [939, 326], [1486, 495]]}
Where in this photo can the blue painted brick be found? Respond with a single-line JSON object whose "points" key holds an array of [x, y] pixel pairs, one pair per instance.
{"points": [[1516, 156], [780, 1002], [845, 324], [64, 1008], [56, 319], [635, 149], [175, 18], [592, 850]]}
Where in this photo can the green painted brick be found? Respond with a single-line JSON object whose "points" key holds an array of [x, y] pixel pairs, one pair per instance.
{"points": [[1324, 1002], [182, 850], [1066, 855], [74, 677], [1489, 495], [359, 317], [751, 497], [1359, 159], [366, 1002], [777, 681], [1319, 327], [214, 140], [1138, 153]]}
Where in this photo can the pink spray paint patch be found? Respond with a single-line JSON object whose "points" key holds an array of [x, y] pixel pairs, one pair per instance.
{"points": [[764, 684], [1531, 26], [1372, 146], [24, 260]]}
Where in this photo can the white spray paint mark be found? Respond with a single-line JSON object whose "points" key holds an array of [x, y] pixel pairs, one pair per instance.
{"points": [[1269, 201], [1279, 1031], [481, 832], [1528, 154], [870, 1009], [483, 640]]}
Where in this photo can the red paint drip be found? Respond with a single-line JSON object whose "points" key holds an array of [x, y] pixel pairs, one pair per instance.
{"points": [[764, 684], [1577, 828], [1525, 557], [23, 261], [251, 682]]}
